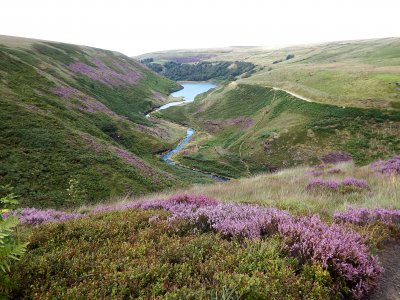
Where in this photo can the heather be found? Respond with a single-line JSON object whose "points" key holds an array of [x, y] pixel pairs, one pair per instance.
{"points": [[347, 185], [365, 216], [246, 129], [336, 157], [84, 102], [309, 240], [120, 74], [58, 125], [390, 166], [33, 216], [125, 254]]}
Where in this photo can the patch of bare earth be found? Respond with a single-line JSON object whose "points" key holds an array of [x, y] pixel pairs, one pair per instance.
{"points": [[389, 283]]}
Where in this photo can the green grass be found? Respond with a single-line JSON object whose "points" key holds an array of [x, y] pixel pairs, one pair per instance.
{"points": [[139, 254], [285, 131], [350, 73], [46, 141], [122, 255], [286, 189]]}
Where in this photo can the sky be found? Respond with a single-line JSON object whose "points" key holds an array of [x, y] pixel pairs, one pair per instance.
{"points": [[135, 27]]}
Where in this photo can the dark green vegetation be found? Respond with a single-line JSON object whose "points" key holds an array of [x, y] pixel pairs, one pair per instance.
{"points": [[246, 129], [66, 137], [123, 255], [202, 71], [11, 249], [361, 73]]}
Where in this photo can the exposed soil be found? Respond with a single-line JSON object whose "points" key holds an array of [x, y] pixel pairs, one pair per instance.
{"points": [[389, 284]]}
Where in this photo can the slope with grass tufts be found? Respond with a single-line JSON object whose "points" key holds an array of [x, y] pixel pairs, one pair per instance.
{"points": [[72, 126], [247, 129], [286, 242], [361, 73]]}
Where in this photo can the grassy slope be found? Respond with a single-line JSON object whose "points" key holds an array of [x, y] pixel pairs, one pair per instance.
{"points": [[47, 140], [125, 255], [352, 73], [245, 129], [150, 258], [286, 190]]}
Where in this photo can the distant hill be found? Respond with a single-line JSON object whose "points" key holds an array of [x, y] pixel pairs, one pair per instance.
{"points": [[72, 124], [361, 73], [245, 129]]}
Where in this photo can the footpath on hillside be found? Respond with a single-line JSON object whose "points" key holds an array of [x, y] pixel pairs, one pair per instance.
{"points": [[389, 283]]}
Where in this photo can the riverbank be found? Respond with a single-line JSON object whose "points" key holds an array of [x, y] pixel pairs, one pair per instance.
{"points": [[187, 94]]}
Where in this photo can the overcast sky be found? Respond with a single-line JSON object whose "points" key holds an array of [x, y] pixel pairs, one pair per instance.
{"points": [[138, 26]]}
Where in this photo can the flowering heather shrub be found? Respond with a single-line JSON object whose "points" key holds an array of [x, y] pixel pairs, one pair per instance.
{"points": [[391, 166], [86, 103], [336, 157], [173, 203], [33, 216], [335, 171], [135, 161], [314, 172], [340, 251], [346, 185], [309, 239], [350, 181], [106, 75], [198, 200], [364, 216], [315, 184], [124, 255]]}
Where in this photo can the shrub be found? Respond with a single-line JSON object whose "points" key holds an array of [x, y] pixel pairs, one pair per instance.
{"points": [[10, 248], [121, 255], [336, 157], [309, 239], [338, 251], [391, 166], [33, 216], [365, 216], [315, 173], [194, 201], [335, 171], [347, 185]]}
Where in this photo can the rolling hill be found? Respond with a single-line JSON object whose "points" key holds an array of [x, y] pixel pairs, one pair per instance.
{"points": [[245, 129], [297, 105], [318, 222], [361, 73], [72, 124]]}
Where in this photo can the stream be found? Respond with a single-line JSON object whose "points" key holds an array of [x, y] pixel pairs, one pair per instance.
{"points": [[188, 93]]}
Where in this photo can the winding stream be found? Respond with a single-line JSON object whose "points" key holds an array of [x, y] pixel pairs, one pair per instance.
{"points": [[188, 93]]}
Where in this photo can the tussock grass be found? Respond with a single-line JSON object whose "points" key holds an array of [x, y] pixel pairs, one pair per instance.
{"points": [[351, 73], [286, 190]]}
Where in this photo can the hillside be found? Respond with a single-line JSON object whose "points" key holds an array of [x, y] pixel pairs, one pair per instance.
{"points": [[301, 233], [245, 129], [363, 73], [72, 124], [310, 210]]}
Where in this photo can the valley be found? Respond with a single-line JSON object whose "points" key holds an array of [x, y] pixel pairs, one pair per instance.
{"points": [[188, 93], [225, 173]]}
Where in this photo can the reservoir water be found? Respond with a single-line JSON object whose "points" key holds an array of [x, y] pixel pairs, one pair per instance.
{"points": [[188, 93]]}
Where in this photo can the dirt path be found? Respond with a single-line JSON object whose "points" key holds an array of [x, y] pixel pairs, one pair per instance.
{"points": [[389, 284], [293, 94]]}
